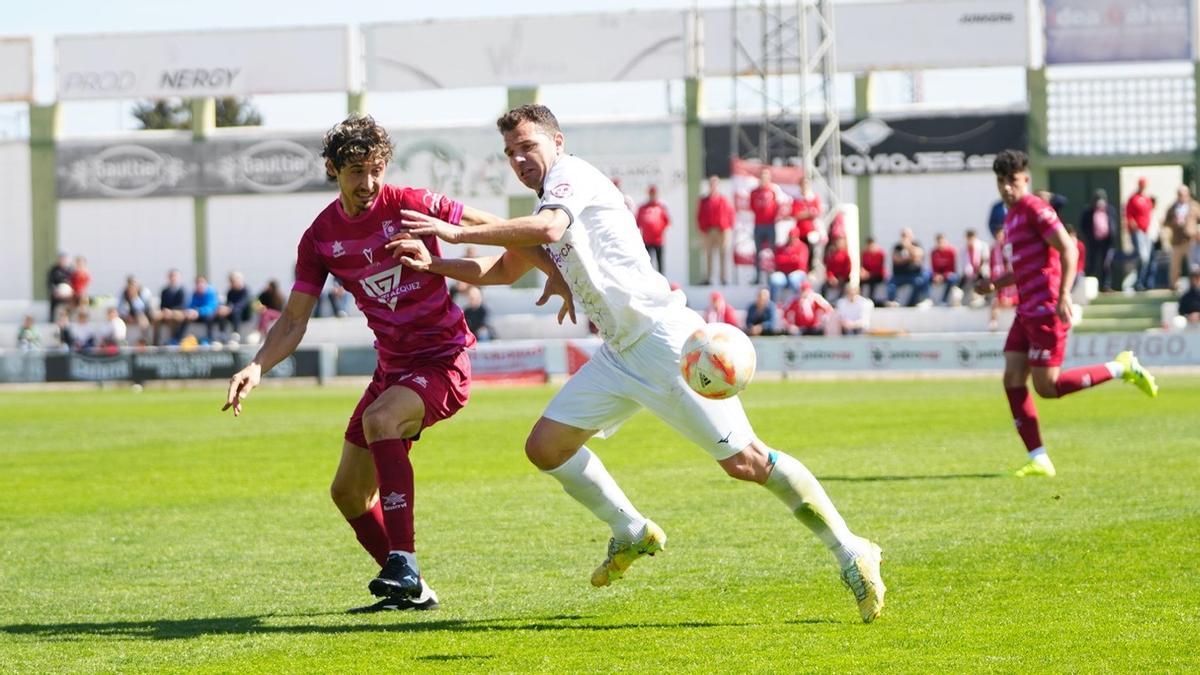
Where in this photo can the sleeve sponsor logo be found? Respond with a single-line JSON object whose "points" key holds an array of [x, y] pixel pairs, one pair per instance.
{"points": [[562, 190]]}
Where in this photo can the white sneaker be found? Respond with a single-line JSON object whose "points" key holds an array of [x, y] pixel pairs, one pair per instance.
{"points": [[862, 577]]}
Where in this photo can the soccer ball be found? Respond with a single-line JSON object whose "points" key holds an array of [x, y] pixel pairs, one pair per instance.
{"points": [[718, 361]]}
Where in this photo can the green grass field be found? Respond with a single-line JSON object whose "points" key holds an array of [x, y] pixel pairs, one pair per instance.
{"points": [[148, 532]]}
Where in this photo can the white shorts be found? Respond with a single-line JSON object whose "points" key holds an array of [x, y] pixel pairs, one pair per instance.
{"points": [[613, 385]]}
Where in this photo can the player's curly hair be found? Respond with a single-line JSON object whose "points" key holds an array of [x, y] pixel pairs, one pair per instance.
{"points": [[530, 112], [355, 139], [1010, 163]]}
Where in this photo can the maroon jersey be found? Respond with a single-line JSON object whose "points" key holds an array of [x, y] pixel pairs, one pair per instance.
{"points": [[410, 312], [1036, 266]]}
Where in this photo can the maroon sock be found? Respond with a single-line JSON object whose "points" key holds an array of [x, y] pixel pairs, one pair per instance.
{"points": [[1071, 381], [371, 533], [395, 490], [1024, 416]]}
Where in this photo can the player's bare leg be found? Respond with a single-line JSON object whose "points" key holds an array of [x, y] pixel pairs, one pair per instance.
{"points": [[389, 423], [355, 493], [558, 450], [790, 481]]}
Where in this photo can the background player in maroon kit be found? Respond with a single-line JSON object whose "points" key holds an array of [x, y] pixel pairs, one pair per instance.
{"points": [[423, 373], [1044, 261]]}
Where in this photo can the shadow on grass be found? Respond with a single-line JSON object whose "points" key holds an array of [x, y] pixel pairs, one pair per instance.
{"points": [[180, 629], [874, 479]]}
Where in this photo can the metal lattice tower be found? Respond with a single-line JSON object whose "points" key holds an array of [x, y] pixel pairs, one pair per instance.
{"points": [[781, 66]]}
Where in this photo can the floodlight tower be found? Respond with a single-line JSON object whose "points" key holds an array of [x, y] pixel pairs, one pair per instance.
{"points": [[783, 56]]}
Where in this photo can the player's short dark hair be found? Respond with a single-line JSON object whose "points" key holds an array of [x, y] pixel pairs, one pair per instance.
{"points": [[530, 112], [355, 139], [1010, 163]]}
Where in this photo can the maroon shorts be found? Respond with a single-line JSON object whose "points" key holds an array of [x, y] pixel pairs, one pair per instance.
{"points": [[444, 386], [1043, 338]]}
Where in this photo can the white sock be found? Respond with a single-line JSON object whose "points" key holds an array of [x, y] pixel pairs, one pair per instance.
{"points": [[1039, 451], [589, 483], [409, 557], [1115, 369], [795, 485]]}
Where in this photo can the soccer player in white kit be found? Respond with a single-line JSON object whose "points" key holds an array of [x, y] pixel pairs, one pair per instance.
{"points": [[582, 221]]}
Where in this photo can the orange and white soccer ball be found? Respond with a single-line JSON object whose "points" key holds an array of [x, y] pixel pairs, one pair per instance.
{"points": [[718, 361]]}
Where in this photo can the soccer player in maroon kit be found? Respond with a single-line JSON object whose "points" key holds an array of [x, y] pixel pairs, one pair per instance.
{"points": [[1044, 261], [423, 373]]}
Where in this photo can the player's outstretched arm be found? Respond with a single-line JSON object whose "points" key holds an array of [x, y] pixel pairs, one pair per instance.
{"points": [[544, 227], [281, 341]]}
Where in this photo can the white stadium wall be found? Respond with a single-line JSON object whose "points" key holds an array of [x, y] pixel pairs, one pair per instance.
{"points": [[119, 237], [257, 236], [949, 203], [16, 223]]}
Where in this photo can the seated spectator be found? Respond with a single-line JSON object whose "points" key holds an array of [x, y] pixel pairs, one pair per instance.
{"points": [[113, 334], [270, 306], [339, 300], [791, 266], [62, 321], [58, 283], [854, 312], [943, 264], [762, 317], [80, 332], [172, 304], [81, 278], [1189, 302], [975, 260], [807, 312], [908, 269], [837, 269], [719, 311], [203, 306], [872, 271], [28, 338], [133, 306], [236, 309], [476, 314]]}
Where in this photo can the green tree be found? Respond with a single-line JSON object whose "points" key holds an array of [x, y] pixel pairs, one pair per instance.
{"points": [[177, 114]]}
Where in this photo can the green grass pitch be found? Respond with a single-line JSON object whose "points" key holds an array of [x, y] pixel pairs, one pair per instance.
{"points": [[149, 532]]}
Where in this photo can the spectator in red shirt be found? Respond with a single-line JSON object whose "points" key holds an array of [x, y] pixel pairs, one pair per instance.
{"points": [[837, 269], [719, 311], [791, 266], [653, 221], [715, 220], [943, 263], [872, 271], [806, 209], [1137, 221], [766, 201], [81, 278], [807, 312]]}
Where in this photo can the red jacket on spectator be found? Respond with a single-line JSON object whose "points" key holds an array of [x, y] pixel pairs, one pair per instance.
{"points": [[873, 265], [715, 213], [811, 204], [791, 256], [943, 260], [1138, 210], [806, 309], [652, 220], [719, 311], [765, 205], [837, 265]]}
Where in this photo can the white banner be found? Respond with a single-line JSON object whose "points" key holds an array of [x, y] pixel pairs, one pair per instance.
{"points": [[499, 361], [532, 50], [225, 63], [16, 77], [873, 36]]}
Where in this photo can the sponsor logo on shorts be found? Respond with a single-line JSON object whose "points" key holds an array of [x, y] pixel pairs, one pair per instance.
{"points": [[726, 439], [1036, 354]]}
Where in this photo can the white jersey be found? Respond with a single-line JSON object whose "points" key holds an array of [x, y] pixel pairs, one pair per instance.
{"points": [[601, 254]]}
